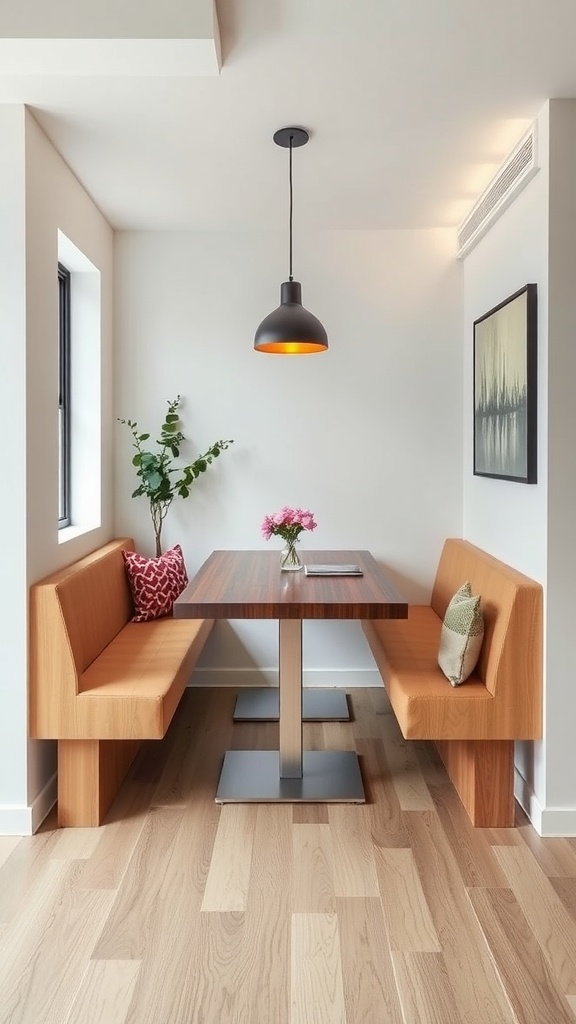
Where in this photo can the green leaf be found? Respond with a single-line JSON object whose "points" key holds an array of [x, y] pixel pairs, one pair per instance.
{"points": [[172, 418], [183, 491], [137, 460], [154, 480], [143, 437], [169, 428]]}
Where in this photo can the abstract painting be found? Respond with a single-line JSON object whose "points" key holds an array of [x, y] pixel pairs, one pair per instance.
{"points": [[505, 355]]}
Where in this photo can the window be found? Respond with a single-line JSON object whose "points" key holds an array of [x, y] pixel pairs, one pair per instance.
{"points": [[63, 397], [80, 413]]}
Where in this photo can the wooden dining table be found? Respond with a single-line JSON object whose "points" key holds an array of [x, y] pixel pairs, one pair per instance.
{"points": [[250, 585]]}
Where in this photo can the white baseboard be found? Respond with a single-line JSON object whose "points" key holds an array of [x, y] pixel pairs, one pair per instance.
{"points": [[329, 677], [15, 820], [558, 821], [20, 820], [44, 802], [549, 822], [528, 800]]}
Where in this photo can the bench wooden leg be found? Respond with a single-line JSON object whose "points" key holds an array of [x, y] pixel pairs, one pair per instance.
{"points": [[482, 772], [90, 773]]}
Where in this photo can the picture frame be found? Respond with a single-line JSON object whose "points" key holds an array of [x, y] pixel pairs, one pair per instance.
{"points": [[505, 380]]}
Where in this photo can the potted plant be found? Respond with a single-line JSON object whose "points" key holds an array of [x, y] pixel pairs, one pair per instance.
{"points": [[161, 480]]}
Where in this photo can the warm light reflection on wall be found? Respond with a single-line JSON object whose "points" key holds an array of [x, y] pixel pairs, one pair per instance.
{"points": [[504, 137]]}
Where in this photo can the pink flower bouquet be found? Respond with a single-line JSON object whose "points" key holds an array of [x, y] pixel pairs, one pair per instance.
{"points": [[288, 523]]}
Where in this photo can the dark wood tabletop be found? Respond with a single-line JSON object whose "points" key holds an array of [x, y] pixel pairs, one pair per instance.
{"points": [[250, 585]]}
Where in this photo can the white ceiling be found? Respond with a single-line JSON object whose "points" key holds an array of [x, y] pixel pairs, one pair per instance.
{"points": [[412, 105]]}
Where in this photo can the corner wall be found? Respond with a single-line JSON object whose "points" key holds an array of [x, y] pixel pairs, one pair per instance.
{"points": [[39, 195], [532, 526], [560, 808], [14, 593]]}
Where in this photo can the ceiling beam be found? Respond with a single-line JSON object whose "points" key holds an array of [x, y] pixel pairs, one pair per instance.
{"points": [[135, 38]]}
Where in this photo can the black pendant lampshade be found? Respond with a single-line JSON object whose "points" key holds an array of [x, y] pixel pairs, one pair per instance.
{"points": [[290, 329]]}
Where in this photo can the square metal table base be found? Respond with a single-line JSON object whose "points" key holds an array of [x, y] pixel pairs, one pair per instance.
{"points": [[253, 776], [261, 703]]}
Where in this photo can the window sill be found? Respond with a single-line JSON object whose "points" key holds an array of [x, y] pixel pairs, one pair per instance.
{"points": [[71, 532]]}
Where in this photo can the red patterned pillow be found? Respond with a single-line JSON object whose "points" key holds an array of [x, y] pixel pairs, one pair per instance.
{"points": [[155, 582]]}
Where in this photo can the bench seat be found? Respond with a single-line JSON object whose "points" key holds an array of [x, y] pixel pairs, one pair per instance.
{"points": [[424, 703], [133, 688], [99, 683], [474, 725]]}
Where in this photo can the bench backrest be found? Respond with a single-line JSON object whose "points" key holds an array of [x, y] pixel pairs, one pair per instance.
{"points": [[510, 662], [74, 614]]}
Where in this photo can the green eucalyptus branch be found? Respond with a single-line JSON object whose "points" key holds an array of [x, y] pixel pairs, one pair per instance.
{"points": [[156, 470]]}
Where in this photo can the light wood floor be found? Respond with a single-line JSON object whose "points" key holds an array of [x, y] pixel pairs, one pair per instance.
{"points": [[178, 911]]}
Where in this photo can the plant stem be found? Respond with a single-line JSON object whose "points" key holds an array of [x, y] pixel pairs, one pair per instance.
{"points": [[158, 512]]}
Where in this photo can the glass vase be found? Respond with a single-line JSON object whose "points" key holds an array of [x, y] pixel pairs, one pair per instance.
{"points": [[289, 558]]}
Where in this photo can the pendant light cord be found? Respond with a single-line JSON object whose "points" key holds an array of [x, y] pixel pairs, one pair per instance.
{"points": [[290, 178]]}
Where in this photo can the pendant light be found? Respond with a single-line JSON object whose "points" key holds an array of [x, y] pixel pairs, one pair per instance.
{"points": [[291, 329]]}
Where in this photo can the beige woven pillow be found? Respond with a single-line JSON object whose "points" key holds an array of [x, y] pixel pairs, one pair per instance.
{"points": [[461, 636]]}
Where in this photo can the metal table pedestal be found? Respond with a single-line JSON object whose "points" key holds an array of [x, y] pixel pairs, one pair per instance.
{"points": [[262, 704]]}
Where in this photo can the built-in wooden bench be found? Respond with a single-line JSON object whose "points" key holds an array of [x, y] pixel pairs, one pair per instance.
{"points": [[99, 683], [473, 725]]}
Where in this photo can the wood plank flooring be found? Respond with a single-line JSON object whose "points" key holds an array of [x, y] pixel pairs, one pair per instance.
{"points": [[179, 911]]}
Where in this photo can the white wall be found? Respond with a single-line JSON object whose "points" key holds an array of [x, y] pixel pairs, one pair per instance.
{"points": [[43, 197], [509, 519], [531, 526], [561, 696], [55, 200], [367, 435], [13, 593]]}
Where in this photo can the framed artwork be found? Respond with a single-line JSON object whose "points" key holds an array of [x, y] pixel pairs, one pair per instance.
{"points": [[505, 354]]}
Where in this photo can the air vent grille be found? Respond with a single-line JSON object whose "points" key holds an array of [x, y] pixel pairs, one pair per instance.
{"points": [[514, 174]]}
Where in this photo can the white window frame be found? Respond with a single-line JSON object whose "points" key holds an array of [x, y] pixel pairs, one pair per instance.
{"points": [[85, 391]]}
